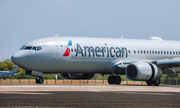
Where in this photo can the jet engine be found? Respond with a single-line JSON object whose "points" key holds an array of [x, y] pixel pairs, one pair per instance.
{"points": [[142, 71], [78, 75]]}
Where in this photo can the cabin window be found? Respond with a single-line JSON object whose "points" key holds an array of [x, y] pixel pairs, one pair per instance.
{"points": [[170, 52], [71, 50], [167, 52], [152, 52], [164, 52], [144, 52], [161, 52], [134, 51], [141, 52], [129, 51], [149, 52], [138, 51], [155, 52]]}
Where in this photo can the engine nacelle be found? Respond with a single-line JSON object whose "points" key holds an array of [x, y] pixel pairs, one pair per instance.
{"points": [[78, 75], [142, 71]]}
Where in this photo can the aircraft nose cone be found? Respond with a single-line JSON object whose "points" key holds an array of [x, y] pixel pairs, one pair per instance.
{"points": [[18, 58]]}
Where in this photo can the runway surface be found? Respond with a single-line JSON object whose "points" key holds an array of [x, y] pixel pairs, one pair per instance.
{"points": [[89, 96]]}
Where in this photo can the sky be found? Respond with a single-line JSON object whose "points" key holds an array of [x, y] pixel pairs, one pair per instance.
{"points": [[22, 21]]}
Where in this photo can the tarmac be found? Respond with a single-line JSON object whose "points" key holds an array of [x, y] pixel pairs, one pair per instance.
{"points": [[89, 96]]}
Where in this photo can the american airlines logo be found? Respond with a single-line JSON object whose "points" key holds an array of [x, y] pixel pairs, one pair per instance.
{"points": [[89, 51]]}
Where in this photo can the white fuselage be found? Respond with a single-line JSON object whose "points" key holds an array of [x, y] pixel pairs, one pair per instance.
{"points": [[85, 55]]}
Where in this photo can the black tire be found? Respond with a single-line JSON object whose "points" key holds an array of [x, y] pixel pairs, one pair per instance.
{"points": [[117, 80], [157, 82], [41, 80], [37, 80], [149, 83], [111, 79]]}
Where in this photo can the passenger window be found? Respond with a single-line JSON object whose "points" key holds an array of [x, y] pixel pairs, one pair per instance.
{"points": [[167, 52], [141, 52], [75, 50], [155, 52], [149, 52], [170, 52], [134, 51], [72, 50], [164, 52], [138, 51], [174, 52], [144, 52], [152, 52], [161, 52], [129, 51]]}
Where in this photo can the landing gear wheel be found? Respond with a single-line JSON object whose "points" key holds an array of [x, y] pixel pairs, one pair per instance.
{"points": [[111, 79], [39, 80], [117, 80], [157, 82], [150, 83]]}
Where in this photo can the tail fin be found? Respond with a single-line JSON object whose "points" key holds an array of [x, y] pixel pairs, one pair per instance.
{"points": [[15, 69]]}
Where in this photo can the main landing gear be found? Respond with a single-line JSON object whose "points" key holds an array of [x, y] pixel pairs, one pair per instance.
{"points": [[114, 80], [39, 80], [155, 83]]}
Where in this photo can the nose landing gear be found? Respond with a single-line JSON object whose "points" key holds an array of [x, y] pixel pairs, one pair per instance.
{"points": [[114, 80], [39, 80]]}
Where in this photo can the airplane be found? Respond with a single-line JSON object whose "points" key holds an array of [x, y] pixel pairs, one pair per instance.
{"points": [[83, 57], [3, 74]]}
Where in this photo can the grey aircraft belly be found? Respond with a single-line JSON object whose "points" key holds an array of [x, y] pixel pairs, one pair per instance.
{"points": [[81, 58]]}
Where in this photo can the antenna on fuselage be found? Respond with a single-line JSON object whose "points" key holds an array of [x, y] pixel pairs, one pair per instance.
{"points": [[56, 35], [122, 37]]}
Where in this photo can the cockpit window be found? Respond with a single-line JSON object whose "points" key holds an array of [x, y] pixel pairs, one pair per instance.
{"points": [[39, 48], [28, 47], [35, 48]]}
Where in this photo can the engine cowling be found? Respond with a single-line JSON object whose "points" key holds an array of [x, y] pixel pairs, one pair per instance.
{"points": [[78, 75], [142, 71]]}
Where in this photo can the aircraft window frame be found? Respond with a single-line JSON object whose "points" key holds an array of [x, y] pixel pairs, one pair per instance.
{"points": [[164, 52], [170, 53], [129, 51], [39, 48], [22, 47], [34, 49]]}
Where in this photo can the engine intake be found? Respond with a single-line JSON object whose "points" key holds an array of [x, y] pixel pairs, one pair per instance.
{"points": [[142, 71]]}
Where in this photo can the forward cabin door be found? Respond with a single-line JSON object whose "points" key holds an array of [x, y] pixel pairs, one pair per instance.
{"points": [[57, 54]]}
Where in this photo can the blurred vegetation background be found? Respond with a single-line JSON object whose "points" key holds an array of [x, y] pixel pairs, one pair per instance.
{"points": [[7, 64]]}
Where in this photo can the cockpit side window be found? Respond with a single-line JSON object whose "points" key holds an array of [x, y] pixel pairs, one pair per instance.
{"points": [[39, 48], [34, 48], [22, 47]]}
